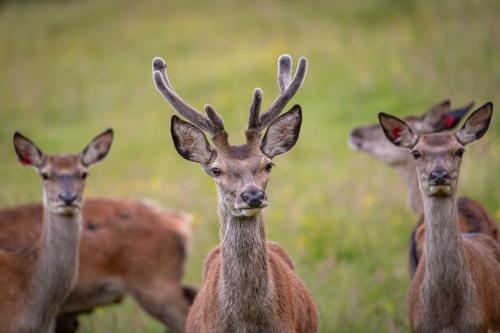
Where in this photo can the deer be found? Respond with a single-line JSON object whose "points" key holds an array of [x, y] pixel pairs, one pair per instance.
{"points": [[35, 281], [456, 286], [127, 247], [473, 217], [249, 283]]}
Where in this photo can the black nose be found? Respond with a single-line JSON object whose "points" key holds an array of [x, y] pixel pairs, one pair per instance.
{"points": [[253, 198], [439, 177], [68, 198], [356, 137]]}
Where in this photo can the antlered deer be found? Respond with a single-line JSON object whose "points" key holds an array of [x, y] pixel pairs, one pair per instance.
{"points": [[127, 247], [371, 139], [457, 285], [249, 284], [35, 281]]}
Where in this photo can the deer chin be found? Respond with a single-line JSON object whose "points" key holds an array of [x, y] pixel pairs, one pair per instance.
{"points": [[440, 190], [65, 210], [250, 211]]}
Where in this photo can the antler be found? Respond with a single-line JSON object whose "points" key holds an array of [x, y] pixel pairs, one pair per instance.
{"points": [[288, 88], [213, 124]]}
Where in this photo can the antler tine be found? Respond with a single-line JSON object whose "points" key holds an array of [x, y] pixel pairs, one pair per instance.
{"points": [[184, 109], [160, 65], [285, 94], [284, 71], [214, 117], [254, 116]]}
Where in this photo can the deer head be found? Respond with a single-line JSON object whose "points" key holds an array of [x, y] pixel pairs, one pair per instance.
{"points": [[63, 175], [240, 172], [438, 155], [371, 138]]}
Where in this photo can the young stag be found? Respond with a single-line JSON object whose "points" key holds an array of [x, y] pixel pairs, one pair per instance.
{"points": [[249, 284], [35, 281], [371, 139], [457, 285], [121, 239]]}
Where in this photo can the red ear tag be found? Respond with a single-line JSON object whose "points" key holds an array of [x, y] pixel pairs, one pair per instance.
{"points": [[449, 121], [25, 159], [396, 132]]}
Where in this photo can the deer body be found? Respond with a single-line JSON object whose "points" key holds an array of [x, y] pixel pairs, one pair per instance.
{"points": [[36, 280], [457, 285], [121, 239], [50, 271], [249, 284]]}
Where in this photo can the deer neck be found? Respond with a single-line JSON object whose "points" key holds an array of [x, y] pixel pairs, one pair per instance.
{"points": [[447, 279], [244, 278], [409, 173], [56, 268]]}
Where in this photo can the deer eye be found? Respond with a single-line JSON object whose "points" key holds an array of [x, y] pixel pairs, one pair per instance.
{"points": [[460, 152], [45, 175], [416, 154], [269, 166], [84, 175], [215, 172]]}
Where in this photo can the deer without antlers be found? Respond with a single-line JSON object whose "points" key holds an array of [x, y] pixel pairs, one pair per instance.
{"points": [[249, 284], [127, 247], [457, 285], [34, 282], [371, 139]]}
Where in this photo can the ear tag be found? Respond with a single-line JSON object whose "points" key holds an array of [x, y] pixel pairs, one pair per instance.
{"points": [[449, 121], [396, 133], [25, 159]]}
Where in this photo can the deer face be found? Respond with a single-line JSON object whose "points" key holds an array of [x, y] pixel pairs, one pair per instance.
{"points": [[371, 139], [438, 156], [63, 175], [241, 182], [241, 173]]}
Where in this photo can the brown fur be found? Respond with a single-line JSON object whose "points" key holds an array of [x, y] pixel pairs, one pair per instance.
{"points": [[472, 218], [292, 302], [127, 247], [482, 255]]}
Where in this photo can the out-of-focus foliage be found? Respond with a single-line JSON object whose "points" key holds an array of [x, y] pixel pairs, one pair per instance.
{"points": [[69, 69]]}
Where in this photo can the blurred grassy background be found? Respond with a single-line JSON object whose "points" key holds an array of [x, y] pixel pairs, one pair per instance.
{"points": [[69, 69]]}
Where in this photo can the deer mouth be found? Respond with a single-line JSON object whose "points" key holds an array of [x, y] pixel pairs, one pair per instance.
{"points": [[251, 211], [67, 210], [440, 190]]}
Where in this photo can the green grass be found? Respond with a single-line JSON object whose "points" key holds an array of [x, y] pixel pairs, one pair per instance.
{"points": [[69, 69]]}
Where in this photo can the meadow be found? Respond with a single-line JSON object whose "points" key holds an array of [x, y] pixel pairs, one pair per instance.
{"points": [[69, 69]]}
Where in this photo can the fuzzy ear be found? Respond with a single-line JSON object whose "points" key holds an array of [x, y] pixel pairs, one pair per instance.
{"points": [[98, 148], [434, 117], [283, 133], [190, 142], [27, 152], [476, 125], [397, 131]]}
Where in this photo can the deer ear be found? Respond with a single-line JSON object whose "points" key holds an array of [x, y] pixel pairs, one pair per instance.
{"points": [[454, 117], [434, 117], [283, 133], [27, 152], [476, 125], [397, 131], [190, 142], [98, 148]]}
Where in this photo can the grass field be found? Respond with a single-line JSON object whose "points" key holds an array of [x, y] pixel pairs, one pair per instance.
{"points": [[69, 69]]}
